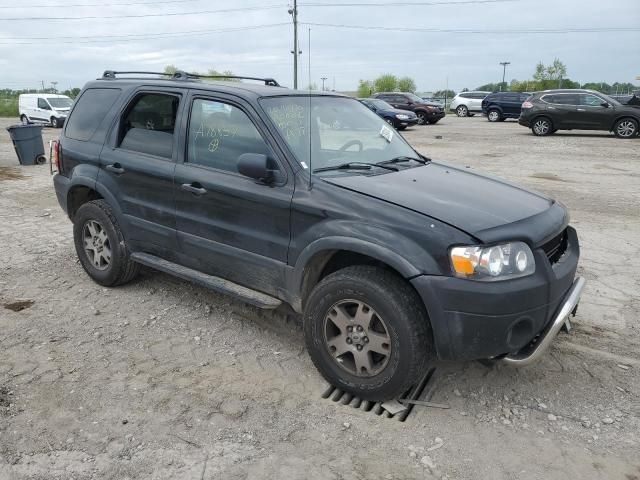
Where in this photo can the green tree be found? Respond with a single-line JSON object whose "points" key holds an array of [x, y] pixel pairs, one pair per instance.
{"points": [[365, 88], [386, 83], [312, 86], [444, 93], [170, 69], [406, 84]]}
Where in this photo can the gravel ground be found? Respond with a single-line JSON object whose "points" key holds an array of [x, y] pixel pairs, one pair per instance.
{"points": [[162, 379]]}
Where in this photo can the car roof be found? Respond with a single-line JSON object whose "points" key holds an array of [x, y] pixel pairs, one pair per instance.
{"points": [[221, 86], [569, 90]]}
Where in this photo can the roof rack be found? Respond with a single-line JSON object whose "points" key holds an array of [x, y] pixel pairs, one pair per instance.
{"points": [[180, 75]]}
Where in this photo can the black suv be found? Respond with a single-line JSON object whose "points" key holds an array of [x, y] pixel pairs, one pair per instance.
{"points": [[500, 106], [427, 112], [392, 259], [552, 110]]}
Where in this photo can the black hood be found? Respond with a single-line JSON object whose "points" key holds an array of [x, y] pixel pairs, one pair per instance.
{"points": [[473, 203]]}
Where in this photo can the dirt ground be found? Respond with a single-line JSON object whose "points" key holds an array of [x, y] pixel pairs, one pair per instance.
{"points": [[162, 379]]}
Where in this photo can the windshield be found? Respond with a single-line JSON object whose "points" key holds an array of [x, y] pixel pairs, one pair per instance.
{"points": [[62, 102], [609, 99], [380, 104], [342, 131], [414, 98]]}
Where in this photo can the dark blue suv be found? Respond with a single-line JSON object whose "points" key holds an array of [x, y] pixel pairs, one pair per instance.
{"points": [[400, 119], [502, 105]]}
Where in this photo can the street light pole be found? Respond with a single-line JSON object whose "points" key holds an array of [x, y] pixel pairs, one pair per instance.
{"points": [[323, 79], [294, 13], [504, 71]]}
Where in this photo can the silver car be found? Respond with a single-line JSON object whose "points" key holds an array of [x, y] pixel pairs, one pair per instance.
{"points": [[467, 104]]}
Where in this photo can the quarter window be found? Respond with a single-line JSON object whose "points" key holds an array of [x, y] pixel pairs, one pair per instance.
{"points": [[148, 126], [89, 112], [219, 133]]}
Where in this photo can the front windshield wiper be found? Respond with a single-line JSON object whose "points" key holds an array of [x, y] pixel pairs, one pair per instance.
{"points": [[404, 158], [354, 166]]}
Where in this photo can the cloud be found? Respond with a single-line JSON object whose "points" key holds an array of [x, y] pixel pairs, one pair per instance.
{"points": [[431, 58]]}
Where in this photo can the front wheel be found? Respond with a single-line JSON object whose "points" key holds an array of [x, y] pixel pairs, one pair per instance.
{"points": [[493, 115], [367, 332], [462, 111], [101, 246], [625, 128], [24, 120], [54, 122], [422, 118]]}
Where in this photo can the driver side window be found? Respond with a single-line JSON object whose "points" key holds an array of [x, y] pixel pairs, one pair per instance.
{"points": [[42, 103], [591, 100]]}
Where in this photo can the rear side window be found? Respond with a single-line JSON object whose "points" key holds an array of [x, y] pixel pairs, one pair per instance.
{"points": [[219, 133], [511, 97], [478, 96], [89, 111], [148, 125], [465, 95]]}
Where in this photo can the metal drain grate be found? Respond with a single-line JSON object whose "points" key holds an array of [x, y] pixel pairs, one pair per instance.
{"points": [[422, 391]]}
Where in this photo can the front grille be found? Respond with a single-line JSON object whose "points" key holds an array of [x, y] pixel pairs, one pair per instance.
{"points": [[556, 247]]}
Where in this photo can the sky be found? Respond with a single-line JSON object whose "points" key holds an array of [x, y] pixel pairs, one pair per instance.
{"points": [[455, 43]]}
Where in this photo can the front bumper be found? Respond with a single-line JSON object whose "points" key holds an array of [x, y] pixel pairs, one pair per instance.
{"points": [[408, 123], [475, 320]]}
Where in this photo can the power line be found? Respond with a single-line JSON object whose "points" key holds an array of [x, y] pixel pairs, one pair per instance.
{"points": [[125, 4], [174, 14], [142, 36], [402, 4], [476, 31]]}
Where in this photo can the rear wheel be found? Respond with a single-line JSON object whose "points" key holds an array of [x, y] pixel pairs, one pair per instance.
{"points": [[542, 126], [626, 128], [493, 115], [101, 246], [367, 333], [462, 111]]}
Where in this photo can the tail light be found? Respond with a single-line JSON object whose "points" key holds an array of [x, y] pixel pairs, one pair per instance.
{"points": [[55, 156], [527, 104]]}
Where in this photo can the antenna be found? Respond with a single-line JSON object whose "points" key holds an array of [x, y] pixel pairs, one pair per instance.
{"points": [[309, 115]]}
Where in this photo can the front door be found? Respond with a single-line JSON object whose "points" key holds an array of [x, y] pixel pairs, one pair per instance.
{"points": [[592, 112], [230, 225], [137, 165]]}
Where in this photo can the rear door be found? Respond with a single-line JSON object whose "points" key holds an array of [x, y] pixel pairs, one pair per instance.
{"points": [[475, 101], [561, 108], [511, 104], [230, 225], [592, 112], [138, 164]]}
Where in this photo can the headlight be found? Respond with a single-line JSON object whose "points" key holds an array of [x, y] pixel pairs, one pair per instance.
{"points": [[499, 262], [402, 116]]}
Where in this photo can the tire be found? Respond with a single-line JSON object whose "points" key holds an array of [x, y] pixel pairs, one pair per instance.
{"points": [[422, 118], [626, 128], [24, 120], [41, 160], [54, 122], [493, 115], [390, 122], [398, 316], [541, 126], [462, 111], [118, 268]]}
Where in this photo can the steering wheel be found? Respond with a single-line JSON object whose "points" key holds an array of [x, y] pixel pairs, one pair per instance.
{"points": [[351, 143]]}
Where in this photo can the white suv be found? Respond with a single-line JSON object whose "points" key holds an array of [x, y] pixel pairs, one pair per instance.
{"points": [[466, 104]]}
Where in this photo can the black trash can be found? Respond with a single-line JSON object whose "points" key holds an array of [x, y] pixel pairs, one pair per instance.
{"points": [[27, 140]]}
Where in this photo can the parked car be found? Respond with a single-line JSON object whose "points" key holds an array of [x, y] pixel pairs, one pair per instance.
{"points": [[627, 99], [46, 108], [439, 102], [500, 106], [467, 104], [426, 112], [391, 259], [400, 119], [552, 110]]}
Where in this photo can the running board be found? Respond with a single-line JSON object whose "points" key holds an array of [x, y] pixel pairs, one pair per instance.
{"points": [[218, 284]]}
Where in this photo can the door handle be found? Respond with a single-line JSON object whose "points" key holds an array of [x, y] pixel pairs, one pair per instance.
{"points": [[115, 168], [194, 188]]}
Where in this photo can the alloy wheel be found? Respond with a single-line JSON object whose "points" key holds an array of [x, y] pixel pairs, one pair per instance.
{"points": [[541, 127], [357, 338], [96, 244], [626, 129], [462, 111], [493, 116], [422, 118]]}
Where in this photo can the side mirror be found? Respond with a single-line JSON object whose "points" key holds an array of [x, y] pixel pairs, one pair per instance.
{"points": [[604, 104], [256, 166]]}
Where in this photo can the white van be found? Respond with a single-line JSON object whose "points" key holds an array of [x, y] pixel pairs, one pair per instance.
{"points": [[45, 108]]}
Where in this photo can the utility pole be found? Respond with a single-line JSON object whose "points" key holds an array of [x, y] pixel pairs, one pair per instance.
{"points": [[294, 14], [53, 84], [42, 81], [323, 79], [504, 71]]}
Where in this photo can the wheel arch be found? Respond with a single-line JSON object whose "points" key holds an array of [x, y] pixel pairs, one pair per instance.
{"points": [[622, 117], [328, 255]]}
